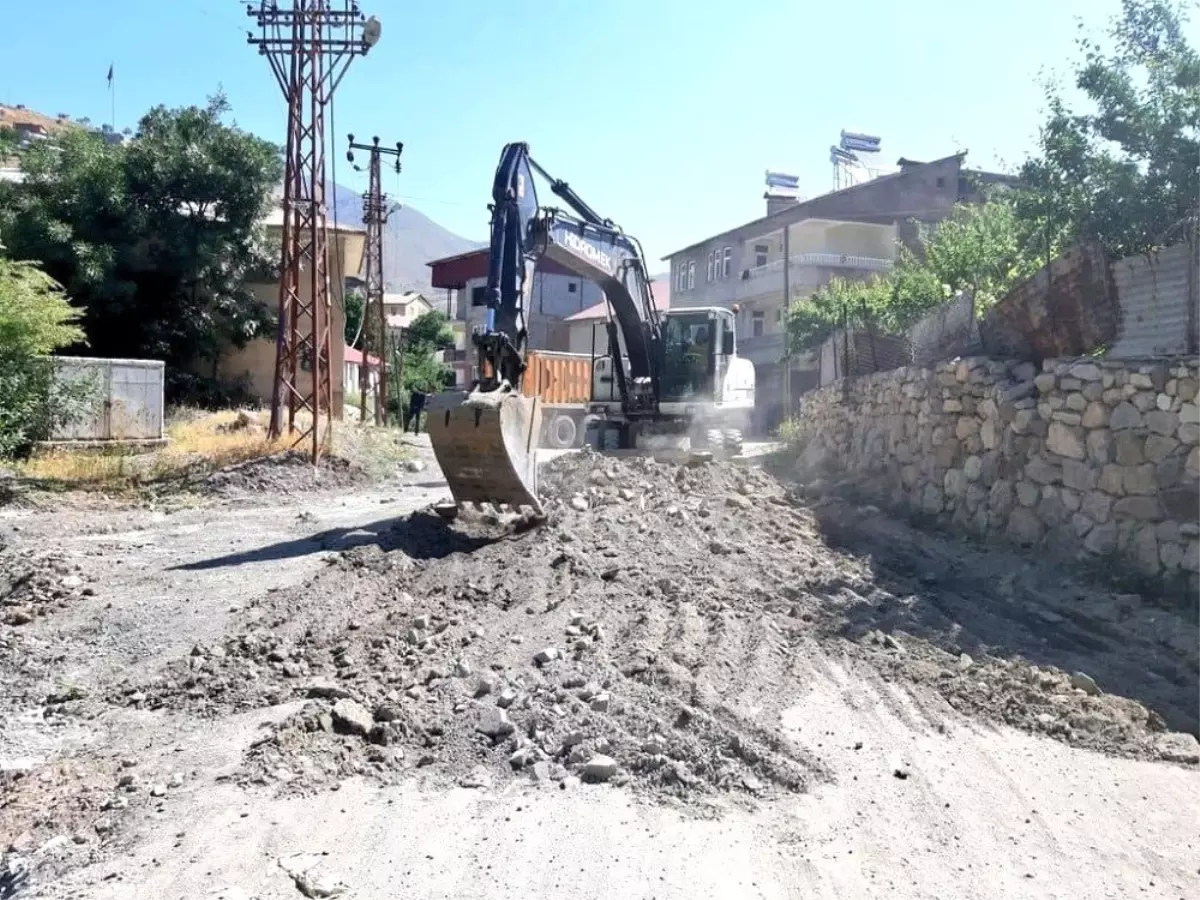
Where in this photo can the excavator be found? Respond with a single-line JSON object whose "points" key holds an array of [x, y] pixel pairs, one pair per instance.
{"points": [[667, 377]]}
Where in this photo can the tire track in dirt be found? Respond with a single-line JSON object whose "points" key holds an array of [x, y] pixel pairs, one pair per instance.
{"points": [[652, 632]]}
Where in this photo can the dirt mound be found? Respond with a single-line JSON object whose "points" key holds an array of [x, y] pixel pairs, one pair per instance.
{"points": [[35, 586], [651, 632], [577, 649], [280, 473]]}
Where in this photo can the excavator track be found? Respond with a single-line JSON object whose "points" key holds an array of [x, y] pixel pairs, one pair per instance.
{"points": [[486, 445]]}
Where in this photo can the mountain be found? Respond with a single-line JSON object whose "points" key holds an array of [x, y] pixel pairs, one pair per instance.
{"points": [[410, 240]]}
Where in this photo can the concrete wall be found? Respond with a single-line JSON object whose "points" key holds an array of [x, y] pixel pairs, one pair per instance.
{"points": [[580, 337], [1086, 458], [126, 399]]}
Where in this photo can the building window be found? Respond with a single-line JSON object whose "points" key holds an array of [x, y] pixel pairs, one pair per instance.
{"points": [[572, 287], [691, 274], [760, 255], [479, 296], [727, 264], [758, 323], [681, 277], [779, 315], [709, 271]]}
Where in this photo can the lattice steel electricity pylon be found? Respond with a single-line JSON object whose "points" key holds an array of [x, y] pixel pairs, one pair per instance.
{"points": [[375, 216], [309, 44]]}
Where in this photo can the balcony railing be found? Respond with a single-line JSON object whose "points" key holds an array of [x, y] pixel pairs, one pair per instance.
{"points": [[802, 272]]}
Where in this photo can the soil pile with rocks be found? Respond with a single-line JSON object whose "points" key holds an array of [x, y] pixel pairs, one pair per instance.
{"points": [[627, 639], [650, 632], [35, 586], [280, 473]]}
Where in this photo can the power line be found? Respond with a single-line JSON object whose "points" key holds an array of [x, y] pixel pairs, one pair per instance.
{"points": [[309, 45], [375, 214]]}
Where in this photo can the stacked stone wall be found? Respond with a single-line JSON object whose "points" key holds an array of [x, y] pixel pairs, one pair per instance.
{"points": [[1086, 457]]}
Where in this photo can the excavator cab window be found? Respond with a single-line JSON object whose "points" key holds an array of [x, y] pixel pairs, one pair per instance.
{"points": [[688, 350]]}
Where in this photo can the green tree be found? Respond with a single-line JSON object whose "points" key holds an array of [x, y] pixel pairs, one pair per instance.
{"points": [[353, 302], [1124, 171], [421, 369], [430, 332], [837, 304], [156, 238], [978, 248], [35, 320], [9, 142]]}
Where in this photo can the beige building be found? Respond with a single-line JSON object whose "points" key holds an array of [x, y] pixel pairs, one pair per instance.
{"points": [[401, 310], [255, 363], [585, 329]]}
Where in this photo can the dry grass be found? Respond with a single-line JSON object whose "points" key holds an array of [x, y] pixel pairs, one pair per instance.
{"points": [[197, 442]]}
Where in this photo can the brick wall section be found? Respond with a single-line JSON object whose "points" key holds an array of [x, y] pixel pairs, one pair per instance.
{"points": [[1085, 458], [1068, 307]]}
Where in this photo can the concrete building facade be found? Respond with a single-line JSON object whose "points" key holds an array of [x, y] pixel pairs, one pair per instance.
{"points": [[853, 233], [254, 364]]}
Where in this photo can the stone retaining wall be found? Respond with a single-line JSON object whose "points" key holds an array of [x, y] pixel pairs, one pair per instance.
{"points": [[1089, 457]]}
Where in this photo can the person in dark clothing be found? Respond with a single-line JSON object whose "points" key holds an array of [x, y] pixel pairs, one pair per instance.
{"points": [[416, 405]]}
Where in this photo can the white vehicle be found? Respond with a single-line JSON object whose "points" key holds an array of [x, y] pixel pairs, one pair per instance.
{"points": [[706, 389]]}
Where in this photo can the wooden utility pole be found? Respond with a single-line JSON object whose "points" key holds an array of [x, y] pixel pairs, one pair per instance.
{"points": [[375, 216]]}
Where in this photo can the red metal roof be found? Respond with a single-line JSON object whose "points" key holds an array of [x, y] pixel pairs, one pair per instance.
{"points": [[456, 271], [353, 355], [661, 288]]}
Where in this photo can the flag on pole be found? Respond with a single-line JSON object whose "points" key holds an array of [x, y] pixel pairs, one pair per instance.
{"points": [[110, 74]]}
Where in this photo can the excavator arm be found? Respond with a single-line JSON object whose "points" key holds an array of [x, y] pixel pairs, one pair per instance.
{"points": [[486, 439], [585, 244]]}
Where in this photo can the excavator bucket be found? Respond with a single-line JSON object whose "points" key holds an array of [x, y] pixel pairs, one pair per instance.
{"points": [[486, 444]]}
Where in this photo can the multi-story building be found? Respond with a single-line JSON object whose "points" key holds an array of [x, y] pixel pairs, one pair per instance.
{"points": [[401, 310], [557, 293], [752, 274], [851, 233]]}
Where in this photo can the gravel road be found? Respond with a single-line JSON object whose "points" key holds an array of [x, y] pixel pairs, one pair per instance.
{"points": [[692, 682]]}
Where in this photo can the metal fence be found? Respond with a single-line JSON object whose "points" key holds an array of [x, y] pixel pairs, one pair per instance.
{"points": [[948, 331], [1140, 306], [1158, 294]]}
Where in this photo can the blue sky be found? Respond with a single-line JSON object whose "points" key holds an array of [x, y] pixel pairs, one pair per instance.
{"points": [[663, 114]]}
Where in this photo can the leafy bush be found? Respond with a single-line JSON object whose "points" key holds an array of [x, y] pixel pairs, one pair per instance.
{"points": [[35, 320], [981, 249]]}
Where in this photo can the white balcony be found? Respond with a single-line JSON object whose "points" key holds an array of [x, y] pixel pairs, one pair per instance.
{"points": [[805, 271]]}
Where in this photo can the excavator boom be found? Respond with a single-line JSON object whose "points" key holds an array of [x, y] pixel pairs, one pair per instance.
{"points": [[486, 439]]}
